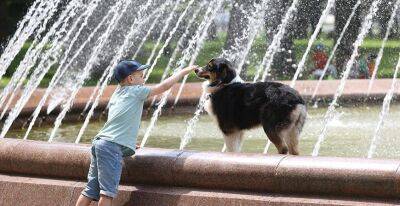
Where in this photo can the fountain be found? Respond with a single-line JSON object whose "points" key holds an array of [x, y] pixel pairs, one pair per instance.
{"points": [[73, 40]]}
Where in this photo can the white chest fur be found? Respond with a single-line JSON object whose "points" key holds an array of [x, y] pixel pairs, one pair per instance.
{"points": [[208, 107], [208, 103]]}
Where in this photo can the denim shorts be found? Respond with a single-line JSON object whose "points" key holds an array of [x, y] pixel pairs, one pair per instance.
{"points": [[105, 169]]}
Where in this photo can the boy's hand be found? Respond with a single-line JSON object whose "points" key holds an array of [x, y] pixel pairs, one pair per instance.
{"points": [[168, 83], [189, 69]]}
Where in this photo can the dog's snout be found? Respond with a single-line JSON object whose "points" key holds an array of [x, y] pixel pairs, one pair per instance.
{"points": [[196, 70]]}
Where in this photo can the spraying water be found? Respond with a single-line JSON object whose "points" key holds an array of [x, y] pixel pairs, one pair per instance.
{"points": [[192, 122], [125, 46], [69, 12], [249, 34], [37, 12], [118, 9], [384, 112], [102, 78], [88, 13], [329, 115], [380, 54], [276, 42], [48, 60], [160, 52], [168, 40], [300, 67], [178, 48], [65, 88], [255, 26], [353, 12], [139, 47], [155, 60], [198, 39], [32, 54], [153, 52]]}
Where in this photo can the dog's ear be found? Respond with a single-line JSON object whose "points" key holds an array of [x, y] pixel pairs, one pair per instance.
{"points": [[227, 73]]}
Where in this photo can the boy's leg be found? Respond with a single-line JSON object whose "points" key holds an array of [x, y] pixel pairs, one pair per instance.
{"points": [[109, 166], [92, 189], [105, 201], [83, 201]]}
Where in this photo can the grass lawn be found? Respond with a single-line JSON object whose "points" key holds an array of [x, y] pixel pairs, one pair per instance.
{"points": [[212, 48]]}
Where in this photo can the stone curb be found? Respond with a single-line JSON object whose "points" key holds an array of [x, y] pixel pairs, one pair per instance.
{"points": [[332, 176]]}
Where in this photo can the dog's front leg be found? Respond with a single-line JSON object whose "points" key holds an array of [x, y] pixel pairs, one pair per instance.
{"points": [[233, 141]]}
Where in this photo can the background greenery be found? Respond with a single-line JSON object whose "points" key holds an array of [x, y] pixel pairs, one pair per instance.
{"points": [[212, 48], [11, 11]]}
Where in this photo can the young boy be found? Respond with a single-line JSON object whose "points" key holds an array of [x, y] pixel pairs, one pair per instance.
{"points": [[117, 138]]}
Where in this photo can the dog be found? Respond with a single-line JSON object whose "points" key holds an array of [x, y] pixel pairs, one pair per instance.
{"points": [[239, 106]]}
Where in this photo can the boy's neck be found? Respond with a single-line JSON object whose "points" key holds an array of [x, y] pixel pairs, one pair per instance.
{"points": [[126, 84]]}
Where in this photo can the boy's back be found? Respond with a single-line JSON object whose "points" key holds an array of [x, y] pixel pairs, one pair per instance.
{"points": [[125, 111]]}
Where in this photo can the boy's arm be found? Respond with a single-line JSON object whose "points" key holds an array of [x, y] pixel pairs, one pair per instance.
{"points": [[168, 83]]}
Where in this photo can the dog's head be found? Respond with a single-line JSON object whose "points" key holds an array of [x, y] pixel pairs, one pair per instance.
{"points": [[218, 71]]}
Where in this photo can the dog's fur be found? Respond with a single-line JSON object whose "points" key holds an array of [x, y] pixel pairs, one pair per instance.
{"points": [[238, 106]]}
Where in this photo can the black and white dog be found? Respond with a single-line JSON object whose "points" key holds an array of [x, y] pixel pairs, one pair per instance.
{"points": [[238, 106]]}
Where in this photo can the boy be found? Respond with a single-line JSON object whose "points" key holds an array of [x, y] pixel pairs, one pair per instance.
{"points": [[117, 138]]}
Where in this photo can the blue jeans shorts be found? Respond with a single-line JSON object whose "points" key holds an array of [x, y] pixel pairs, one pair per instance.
{"points": [[105, 170]]}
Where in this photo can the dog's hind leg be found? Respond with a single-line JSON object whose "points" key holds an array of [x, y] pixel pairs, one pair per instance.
{"points": [[290, 135], [233, 141], [298, 117], [277, 140]]}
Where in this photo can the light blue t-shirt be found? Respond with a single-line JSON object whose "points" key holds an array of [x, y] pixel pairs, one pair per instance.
{"points": [[124, 115]]}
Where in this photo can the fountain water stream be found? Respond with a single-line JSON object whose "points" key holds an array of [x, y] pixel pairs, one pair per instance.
{"points": [[380, 53], [37, 12], [152, 26], [160, 52], [108, 72], [67, 14], [276, 42], [192, 122], [194, 46], [241, 49], [32, 55], [339, 40], [118, 9], [300, 67], [329, 115], [384, 112], [178, 48]]}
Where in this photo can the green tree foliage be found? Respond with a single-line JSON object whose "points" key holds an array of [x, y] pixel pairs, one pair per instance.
{"points": [[11, 12]]}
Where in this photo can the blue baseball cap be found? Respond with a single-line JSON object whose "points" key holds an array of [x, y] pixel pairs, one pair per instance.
{"points": [[125, 67]]}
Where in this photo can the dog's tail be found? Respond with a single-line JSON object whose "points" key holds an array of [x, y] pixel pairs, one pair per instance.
{"points": [[301, 111]]}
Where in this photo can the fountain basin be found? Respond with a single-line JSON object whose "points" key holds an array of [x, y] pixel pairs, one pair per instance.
{"points": [[155, 176], [354, 93], [254, 173]]}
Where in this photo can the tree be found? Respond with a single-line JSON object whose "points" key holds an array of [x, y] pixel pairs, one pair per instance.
{"points": [[307, 17], [383, 16], [284, 60], [238, 22], [11, 12], [345, 48]]}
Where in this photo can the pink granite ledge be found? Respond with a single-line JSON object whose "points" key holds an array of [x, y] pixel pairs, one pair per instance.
{"points": [[331, 176]]}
